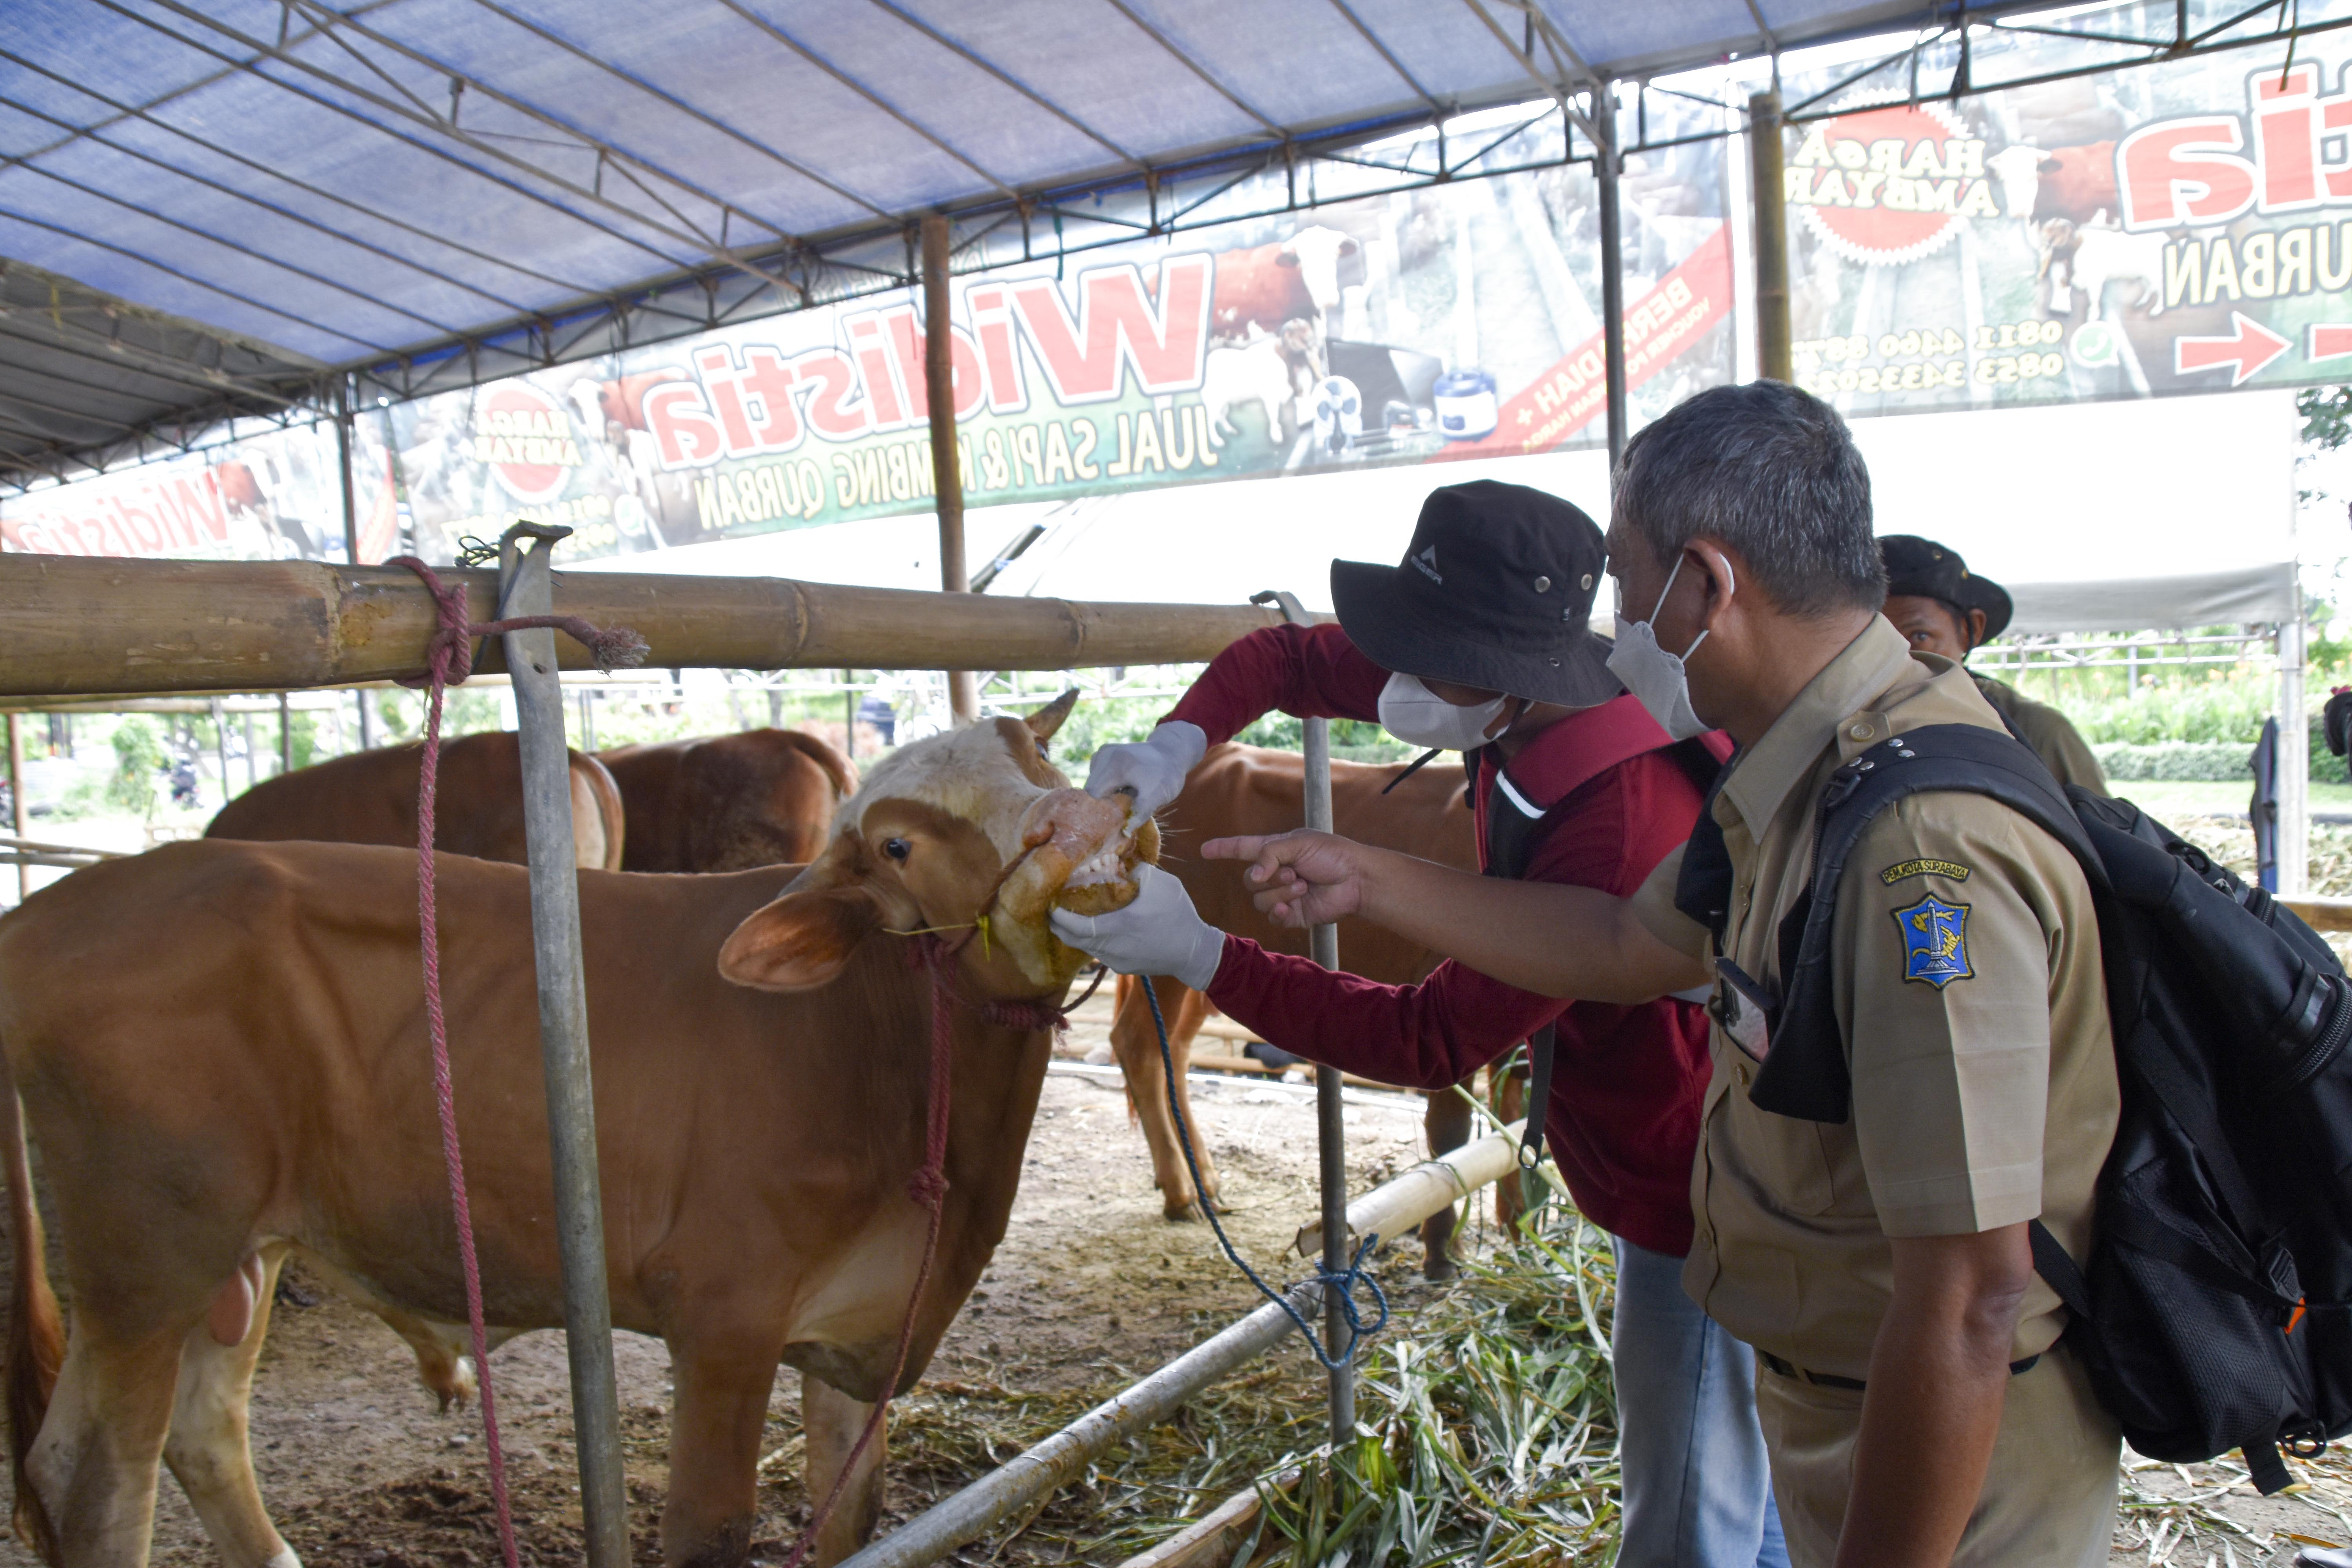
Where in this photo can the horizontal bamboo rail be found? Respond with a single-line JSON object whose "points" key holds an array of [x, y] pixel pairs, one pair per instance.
{"points": [[2321, 914], [83, 624]]}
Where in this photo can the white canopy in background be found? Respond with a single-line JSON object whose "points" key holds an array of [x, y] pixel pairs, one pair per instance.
{"points": [[2110, 516]]}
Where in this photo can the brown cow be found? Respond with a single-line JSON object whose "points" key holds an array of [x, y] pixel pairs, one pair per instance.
{"points": [[1239, 790], [369, 797], [728, 803], [220, 1050]]}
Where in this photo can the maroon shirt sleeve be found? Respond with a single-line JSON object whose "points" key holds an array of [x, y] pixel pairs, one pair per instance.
{"points": [[1310, 672], [1438, 1032]]}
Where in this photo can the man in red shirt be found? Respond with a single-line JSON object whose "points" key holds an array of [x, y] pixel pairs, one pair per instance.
{"points": [[1481, 642]]}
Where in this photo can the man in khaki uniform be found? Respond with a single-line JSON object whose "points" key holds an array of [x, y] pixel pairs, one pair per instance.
{"points": [[1944, 608], [1917, 1405]]}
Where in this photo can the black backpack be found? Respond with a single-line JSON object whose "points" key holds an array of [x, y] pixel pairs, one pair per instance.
{"points": [[2215, 1309]]}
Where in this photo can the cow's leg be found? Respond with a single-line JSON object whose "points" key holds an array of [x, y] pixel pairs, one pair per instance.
{"points": [[1510, 1097], [93, 1464], [207, 1448], [1447, 1124], [1137, 1046], [833, 1421], [1191, 1011], [720, 1409]]}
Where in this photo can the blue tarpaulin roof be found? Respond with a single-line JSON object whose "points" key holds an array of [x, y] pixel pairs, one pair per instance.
{"points": [[324, 186]]}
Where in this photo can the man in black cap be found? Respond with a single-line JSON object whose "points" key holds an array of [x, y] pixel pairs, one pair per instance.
{"points": [[1944, 608], [1480, 641]]}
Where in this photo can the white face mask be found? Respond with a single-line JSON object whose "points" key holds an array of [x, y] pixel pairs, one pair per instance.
{"points": [[1420, 717], [1654, 675]]}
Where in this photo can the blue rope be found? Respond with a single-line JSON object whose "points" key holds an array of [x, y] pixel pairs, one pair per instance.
{"points": [[1344, 1280]]}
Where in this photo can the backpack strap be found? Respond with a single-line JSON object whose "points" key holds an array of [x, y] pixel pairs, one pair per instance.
{"points": [[1806, 1074]]}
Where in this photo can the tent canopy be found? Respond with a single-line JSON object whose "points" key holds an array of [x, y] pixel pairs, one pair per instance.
{"points": [[330, 184]]}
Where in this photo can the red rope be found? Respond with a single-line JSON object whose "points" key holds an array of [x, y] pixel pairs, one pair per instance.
{"points": [[450, 660]]}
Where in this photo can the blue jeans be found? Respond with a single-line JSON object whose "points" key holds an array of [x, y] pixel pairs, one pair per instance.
{"points": [[1698, 1490]]}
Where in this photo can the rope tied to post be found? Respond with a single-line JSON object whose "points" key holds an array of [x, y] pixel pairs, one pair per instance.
{"points": [[450, 660]]}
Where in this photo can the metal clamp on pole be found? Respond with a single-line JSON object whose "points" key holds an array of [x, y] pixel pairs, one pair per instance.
{"points": [[525, 588], [1331, 1117]]}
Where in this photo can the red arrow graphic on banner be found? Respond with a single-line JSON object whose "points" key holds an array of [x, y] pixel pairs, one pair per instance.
{"points": [[2328, 339], [2253, 346]]}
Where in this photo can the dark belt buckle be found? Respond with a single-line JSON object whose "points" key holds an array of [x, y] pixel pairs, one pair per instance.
{"points": [[1745, 1008]]}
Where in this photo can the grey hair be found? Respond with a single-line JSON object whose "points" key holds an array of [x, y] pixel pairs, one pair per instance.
{"points": [[1771, 472]]}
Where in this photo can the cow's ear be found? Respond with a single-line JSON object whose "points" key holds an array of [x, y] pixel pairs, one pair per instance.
{"points": [[801, 940], [1048, 719]]}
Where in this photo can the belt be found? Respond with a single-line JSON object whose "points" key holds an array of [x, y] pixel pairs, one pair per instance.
{"points": [[1827, 1380]]}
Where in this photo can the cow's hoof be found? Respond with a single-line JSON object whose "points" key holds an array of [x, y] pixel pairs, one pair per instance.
{"points": [[1189, 1212], [1438, 1267]]}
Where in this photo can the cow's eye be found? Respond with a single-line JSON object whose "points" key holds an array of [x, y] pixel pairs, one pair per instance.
{"points": [[896, 848]]}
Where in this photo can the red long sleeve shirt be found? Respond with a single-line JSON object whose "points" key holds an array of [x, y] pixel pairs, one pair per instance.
{"points": [[1627, 1082]]}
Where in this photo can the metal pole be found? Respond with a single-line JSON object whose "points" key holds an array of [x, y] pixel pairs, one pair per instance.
{"points": [[16, 799], [1612, 267], [848, 716], [285, 733], [1331, 1114], [526, 589], [1330, 1118], [947, 474], [1774, 358], [2294, 764]]}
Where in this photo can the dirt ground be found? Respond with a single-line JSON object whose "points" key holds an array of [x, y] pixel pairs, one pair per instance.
{"points": [[1091, 1289]]}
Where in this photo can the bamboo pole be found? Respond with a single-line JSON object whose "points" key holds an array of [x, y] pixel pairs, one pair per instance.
{"points": [[1775, 358], [1607, 166], [947, 473], [82, 624]]}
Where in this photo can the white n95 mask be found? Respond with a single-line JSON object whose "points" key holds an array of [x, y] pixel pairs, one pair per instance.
{"points": [[1420, 717], [1655, 677]]}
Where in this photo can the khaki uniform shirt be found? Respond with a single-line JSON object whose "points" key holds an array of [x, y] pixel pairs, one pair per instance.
{"points": [[2052, 737], [1966, 975]]}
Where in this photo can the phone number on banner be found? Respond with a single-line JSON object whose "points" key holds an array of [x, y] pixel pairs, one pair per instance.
{"points": [[1928, 374]]}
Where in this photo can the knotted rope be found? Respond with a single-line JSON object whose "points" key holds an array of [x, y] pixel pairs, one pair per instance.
{"points": [[450, 660]]}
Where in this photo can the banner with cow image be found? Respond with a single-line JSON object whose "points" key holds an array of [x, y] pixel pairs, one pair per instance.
{"points": [[268, 497], [2184, 227], [1460, 321]]}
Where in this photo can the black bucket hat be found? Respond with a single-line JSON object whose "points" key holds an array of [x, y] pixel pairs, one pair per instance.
{"points": [[1494, 591], [1921, 568]]}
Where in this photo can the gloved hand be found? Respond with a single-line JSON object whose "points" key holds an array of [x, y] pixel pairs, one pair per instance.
{"points": [[1159, 932], [1153, 768]]}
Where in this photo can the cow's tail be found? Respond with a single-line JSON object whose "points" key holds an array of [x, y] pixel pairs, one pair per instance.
{"points": [[839, 769], [601, 784], [37, 1338]]}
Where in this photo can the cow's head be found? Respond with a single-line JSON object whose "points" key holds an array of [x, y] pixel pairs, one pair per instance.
{"points": [[923, 847]]}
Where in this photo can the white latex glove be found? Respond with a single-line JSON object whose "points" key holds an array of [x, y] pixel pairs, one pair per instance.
{"points": [[1158, 933], [1153, 768]]}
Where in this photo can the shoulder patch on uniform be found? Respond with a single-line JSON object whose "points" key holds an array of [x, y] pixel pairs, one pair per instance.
{"points": [[1935, 942], [1950, 869]]}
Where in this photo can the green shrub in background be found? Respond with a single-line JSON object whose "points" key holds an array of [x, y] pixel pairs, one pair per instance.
{"points": [[137, 758], [2208, 709]]}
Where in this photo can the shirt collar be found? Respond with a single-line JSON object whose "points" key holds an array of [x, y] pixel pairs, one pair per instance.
{"points": [[1762, 775]]}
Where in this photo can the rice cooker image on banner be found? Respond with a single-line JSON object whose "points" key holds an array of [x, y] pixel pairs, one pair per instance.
{"points": [[1339, 414], [1465, 404]]}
